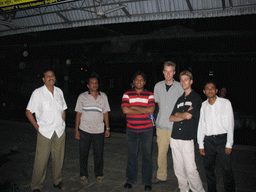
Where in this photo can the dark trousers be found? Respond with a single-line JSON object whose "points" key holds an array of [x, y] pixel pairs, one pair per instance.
{"points": [[213, 146], [98, 145], [144, 139]]}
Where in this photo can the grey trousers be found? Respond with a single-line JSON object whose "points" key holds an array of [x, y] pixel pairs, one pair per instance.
{"points": [[44, 147]]}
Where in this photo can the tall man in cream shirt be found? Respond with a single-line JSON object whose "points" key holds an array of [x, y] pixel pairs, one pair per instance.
{"points": [[215, 136], [48, 104]]}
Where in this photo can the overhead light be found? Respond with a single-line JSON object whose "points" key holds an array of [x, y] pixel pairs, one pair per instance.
{"points": [[25, 53], [210, 73], [68, 61]]}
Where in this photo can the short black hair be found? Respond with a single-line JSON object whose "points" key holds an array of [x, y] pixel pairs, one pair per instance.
{"points": [[93, 75], [45, 71], [210, 81], [137, 73]]}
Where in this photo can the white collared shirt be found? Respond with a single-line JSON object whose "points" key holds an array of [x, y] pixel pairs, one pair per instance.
{"points": [[216, 119], [48, 109]]}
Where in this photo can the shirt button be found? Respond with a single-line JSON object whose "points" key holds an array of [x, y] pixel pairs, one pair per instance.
{"points": [[179, 128], [180, 122]]}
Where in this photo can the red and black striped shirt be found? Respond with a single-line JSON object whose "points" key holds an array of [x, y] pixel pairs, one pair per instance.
{"points": [[141, 122]]}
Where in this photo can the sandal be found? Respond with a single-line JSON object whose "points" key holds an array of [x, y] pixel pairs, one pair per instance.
{"points": [[100, 179], [84, 179], [60, 186]]}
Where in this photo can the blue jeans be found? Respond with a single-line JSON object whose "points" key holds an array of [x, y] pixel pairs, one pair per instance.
{"points": [[98, 145], [145, 140]]}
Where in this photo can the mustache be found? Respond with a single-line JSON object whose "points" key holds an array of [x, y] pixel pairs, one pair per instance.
{"points": [[51, 79]]}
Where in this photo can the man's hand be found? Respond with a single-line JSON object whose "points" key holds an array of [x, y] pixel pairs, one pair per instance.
{"points": [[37, 128], [107, 133], [77, 135], [202, 152], [32, 120], [190, 108], [228, 150]]}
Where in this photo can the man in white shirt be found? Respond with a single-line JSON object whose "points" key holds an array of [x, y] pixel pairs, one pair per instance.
{"points": [[215, 136], [48, 104]]}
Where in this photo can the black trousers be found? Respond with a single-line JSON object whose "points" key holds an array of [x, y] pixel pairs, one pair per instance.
{"points": [[98, 145], [213, 146]]}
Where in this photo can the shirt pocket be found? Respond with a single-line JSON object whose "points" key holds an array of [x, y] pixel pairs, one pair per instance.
{"points": [[46, 106], [59, 104]]}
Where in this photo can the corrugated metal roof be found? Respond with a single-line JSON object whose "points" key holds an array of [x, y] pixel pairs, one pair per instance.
{"points": [[70, 14]]}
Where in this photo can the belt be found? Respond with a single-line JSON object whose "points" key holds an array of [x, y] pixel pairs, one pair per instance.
{"points": [[218, 136]]}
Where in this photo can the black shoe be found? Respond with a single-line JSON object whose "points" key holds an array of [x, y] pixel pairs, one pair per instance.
{"points": [[127, 186], [148, 188], [36, 190], [60, 186], [157, 181]]}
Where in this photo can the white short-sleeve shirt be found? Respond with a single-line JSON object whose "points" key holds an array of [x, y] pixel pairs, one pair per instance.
{"points": [[48, 109]]}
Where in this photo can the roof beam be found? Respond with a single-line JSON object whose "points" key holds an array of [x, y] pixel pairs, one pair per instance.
{"points": [[189, 5], [231, 3], [62, 17], [6, 23], [125, 11], [223, 4]]}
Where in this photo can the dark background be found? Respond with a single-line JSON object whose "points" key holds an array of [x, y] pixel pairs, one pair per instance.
{"points": [[228, 56]]}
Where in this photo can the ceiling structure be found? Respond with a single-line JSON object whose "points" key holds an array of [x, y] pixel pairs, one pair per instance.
{"points": [[26, 16], [203, 35]]}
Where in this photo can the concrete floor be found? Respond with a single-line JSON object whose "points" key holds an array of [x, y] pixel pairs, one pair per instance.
{"points": [[17, 150]]}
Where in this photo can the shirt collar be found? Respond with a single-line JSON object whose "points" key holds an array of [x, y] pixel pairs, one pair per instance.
{"points": [[217, 99], [46, 89], [90, 93], [141, 91]]}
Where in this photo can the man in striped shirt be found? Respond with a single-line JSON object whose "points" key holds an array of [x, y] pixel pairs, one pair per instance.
{"points": [[92, 108], [138, 104]]}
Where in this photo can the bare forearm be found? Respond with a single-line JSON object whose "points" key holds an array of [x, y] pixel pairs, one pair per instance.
{"points": [[175, 118], [77, 121], [144, 110], [32, 119], [184, 115], [64, 115], [131, 111], [106, 119]]}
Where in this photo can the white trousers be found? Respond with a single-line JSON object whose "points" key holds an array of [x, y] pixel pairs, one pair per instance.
{"points": [[183, 154]]}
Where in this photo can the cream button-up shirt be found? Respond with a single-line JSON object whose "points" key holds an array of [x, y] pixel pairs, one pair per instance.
{"points": [[48, 109]]}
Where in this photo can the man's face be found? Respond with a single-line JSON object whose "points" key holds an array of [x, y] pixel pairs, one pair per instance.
{"points": [[49, 78], [210, 90], [185, 82], [169, 72], [223, 92], [93, 84], [139, 82]]}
